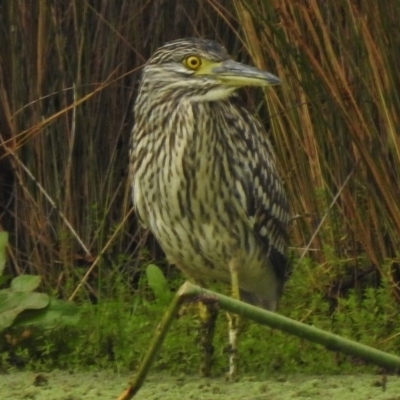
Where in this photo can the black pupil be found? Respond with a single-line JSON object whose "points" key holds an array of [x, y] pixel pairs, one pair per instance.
{"points": [[193, 62]]}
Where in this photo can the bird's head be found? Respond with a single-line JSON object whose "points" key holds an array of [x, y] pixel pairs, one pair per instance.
{"points": [[200, 70]]}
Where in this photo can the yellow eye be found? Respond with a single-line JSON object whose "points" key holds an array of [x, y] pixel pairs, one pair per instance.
{"points": [[193, 62]]}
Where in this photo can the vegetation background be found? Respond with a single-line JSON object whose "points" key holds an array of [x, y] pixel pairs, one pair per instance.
{"points": [[69, 72]]}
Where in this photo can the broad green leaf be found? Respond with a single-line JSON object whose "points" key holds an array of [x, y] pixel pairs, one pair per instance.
{"points": [[57, 313], [14, 303], [10, 300], [3, 252], [158, 283], [25, 283], [7, 318]]}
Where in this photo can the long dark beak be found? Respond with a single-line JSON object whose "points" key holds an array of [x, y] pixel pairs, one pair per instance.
{"points": [[236, 74]]}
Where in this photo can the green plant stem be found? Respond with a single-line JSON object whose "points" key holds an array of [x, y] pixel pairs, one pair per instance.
{"points": [[264, 317], [327, 339], [155, 345]]}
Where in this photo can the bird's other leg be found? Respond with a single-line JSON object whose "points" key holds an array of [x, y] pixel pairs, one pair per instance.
{"points": [[234, 321], [208, 312]]}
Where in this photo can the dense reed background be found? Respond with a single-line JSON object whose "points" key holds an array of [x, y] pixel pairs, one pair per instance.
{"points": [[68, 80]]}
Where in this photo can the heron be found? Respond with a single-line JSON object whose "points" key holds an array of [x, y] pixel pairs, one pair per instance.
{"points": [[204, 177]]}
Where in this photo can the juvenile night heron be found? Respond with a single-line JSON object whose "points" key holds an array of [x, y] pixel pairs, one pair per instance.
{"points": [[204, 176]]}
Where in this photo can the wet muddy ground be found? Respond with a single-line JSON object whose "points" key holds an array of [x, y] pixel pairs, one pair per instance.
{"points": [[62, 385]]}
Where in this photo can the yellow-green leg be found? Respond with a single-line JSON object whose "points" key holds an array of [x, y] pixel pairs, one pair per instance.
{"points": [[234, 321], [208, 311]]}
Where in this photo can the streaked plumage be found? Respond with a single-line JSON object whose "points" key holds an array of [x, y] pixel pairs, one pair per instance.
{"points": [[204, 176]]}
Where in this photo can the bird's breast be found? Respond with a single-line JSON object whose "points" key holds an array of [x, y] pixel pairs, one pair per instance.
{"points": [[187, 199], [186, 193]]}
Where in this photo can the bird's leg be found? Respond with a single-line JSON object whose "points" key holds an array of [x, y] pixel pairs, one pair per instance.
{"points": [[234, 321], [208, 312]]}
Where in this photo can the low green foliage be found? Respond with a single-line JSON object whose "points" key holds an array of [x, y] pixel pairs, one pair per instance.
{"points": [[21, 306], [19, 298], [115, 332]]}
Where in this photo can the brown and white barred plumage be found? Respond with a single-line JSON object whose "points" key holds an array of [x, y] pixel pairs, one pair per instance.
{"points": [[204, 177]]}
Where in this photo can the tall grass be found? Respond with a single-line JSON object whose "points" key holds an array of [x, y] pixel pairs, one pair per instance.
{"points": [[335, 124], [68, 79]]}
